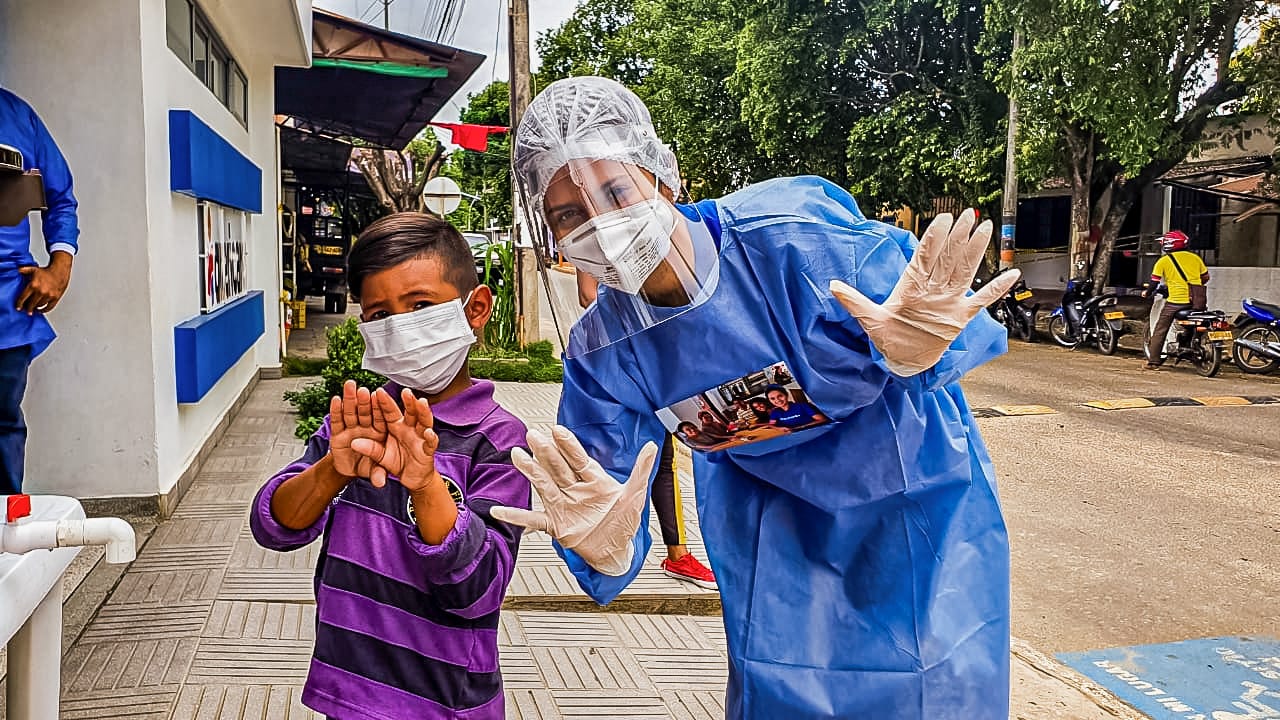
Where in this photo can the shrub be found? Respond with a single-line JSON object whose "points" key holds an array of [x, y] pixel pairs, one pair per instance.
{"points": [[345, 350]]}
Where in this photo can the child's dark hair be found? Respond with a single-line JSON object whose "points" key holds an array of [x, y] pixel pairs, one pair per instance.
{"points": [[685, 424], [405, 236]]}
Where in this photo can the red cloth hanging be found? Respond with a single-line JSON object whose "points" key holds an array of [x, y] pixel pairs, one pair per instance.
{"points": [[472, 137]]}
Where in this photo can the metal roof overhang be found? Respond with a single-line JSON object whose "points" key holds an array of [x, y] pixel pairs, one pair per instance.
{"points": [[370, 84]]}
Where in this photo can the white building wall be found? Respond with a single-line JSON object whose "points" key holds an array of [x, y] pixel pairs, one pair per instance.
{"points": [[1228, 286], [91, 397], [174, 277], [101, 405]]}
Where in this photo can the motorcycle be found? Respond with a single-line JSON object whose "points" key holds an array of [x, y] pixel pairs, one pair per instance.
{"points": [[1084, 319], [1257, 349], [1013, 312], [1197, 336]]}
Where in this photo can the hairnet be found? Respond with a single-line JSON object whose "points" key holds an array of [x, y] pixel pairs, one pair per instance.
{"points": [[591, 118]]}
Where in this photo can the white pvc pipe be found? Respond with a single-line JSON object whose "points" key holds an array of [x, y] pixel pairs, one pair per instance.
{"points": [[114, 533]]}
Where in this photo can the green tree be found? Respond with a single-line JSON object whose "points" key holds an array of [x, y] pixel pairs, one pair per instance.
{"points": [[1259, 65], [598, 39], [397, 178], [486, 175], [890, 98], [1115, 94]]}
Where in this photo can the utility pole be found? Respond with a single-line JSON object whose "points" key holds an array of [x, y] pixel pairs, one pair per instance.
{"points": [[1009, 214], [386, 19], [521, 93]]}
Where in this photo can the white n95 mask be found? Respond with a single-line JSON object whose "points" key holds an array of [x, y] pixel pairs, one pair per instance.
{"points": [[421, 350], [623, 247]]}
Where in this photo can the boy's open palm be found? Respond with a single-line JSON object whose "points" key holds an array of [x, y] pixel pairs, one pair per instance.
{"points": [[407, 450], [352, 417]]}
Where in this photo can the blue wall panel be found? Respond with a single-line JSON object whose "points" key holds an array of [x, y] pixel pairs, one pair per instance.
{"points": [[206, 347], [205, 166]]}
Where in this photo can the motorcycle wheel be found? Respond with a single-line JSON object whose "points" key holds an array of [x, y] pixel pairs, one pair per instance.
{"points": [[1107, 338], [1061, 334], [1209, 359], [1252, 363], [1022, 327]]}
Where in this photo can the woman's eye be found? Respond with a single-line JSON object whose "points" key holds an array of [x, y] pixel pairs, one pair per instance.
{"points": [[567, 220]]}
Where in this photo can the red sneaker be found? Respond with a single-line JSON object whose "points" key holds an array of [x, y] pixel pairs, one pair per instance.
{"points": [[689, 569]]}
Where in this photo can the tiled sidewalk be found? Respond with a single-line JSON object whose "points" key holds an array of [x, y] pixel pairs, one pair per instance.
{"points": [[206, 624]]}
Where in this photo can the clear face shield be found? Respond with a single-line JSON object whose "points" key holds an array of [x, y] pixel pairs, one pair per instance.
{"points": [[20, 192], [617, 223]]}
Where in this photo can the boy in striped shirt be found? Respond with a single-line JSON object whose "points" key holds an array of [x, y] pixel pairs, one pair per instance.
{"points": [[412, 570]]}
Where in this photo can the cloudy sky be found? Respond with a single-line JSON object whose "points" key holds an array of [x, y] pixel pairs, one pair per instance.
{"points": [[482, 27]]}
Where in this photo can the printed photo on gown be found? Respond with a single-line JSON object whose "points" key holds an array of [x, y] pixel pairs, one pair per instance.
{"points": [[756, 407]]}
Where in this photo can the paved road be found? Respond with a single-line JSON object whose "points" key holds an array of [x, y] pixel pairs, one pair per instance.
{"points": [[1134, 526]]}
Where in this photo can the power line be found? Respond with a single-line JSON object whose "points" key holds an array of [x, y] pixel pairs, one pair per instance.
{"points": [[366, 15]]}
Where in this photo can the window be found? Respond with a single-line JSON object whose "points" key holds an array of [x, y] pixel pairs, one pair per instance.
{"points": [[218, 75], [222, 257], [1198, 215], [192, 39], [237, 93], [178, 19]]}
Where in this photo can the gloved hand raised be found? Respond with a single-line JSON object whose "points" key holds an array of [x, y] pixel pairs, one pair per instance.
{"points": [[929, 306], [584, 508]]}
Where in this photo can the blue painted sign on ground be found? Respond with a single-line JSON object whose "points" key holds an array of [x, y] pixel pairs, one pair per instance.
{"points": [[1229, 678]]}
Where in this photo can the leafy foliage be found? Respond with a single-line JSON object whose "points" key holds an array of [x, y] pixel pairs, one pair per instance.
{"points": [[889, 98], [345, 351], [499, 275], [1114, 94], [486, 175]]}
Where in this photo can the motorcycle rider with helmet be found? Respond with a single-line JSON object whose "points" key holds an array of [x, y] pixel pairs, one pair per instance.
{"points": [[1185, 275]]}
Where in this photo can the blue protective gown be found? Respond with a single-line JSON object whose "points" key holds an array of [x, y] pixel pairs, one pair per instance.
{"points": [[864, 565], [21, 128]]}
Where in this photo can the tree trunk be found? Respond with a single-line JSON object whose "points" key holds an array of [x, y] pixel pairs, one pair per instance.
{"points": [[1122, 201], [1080, 147]]}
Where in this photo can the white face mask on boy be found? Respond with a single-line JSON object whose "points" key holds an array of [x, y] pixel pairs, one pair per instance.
{"points": [[421, 350]]}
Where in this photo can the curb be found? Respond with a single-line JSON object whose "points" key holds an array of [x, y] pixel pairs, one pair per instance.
{"points": [[705, 605], [1058, 672]]}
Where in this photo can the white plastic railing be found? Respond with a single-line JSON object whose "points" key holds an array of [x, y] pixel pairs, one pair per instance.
{"points": [[40, 537]]}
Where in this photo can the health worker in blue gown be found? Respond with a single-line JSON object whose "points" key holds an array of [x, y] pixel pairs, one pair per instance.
{"points": [[863, 561]]}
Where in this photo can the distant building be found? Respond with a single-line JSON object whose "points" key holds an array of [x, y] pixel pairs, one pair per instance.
{"points": [[1218, 196]]}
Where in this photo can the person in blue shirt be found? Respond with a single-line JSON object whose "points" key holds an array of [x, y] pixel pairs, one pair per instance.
{"points": [[863, 564], [29, 291], [788, 413]]}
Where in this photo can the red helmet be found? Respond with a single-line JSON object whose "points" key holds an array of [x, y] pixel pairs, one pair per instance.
{"points": [[1174, 240]]}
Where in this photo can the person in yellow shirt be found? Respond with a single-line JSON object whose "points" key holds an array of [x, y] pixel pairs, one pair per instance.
{"points": [[1179, 270]]}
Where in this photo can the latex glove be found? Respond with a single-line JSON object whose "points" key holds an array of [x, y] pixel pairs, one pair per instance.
{"points": [[584, 508], [929, 306]]}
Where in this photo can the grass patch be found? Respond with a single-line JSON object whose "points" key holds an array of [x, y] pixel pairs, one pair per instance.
{"points": [[304, 367], [536, 363]]}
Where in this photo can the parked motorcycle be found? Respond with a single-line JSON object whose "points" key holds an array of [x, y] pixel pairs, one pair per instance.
{"points": [[1257, 348], [1012, 311], [1197, 336], [1085, 319]]}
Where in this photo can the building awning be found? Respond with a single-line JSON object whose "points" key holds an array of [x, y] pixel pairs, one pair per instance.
{"points": [[310, 159], [369, 84]]}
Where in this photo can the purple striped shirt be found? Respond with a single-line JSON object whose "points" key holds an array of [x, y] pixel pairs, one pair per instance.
{"points": [[406, 629]]}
